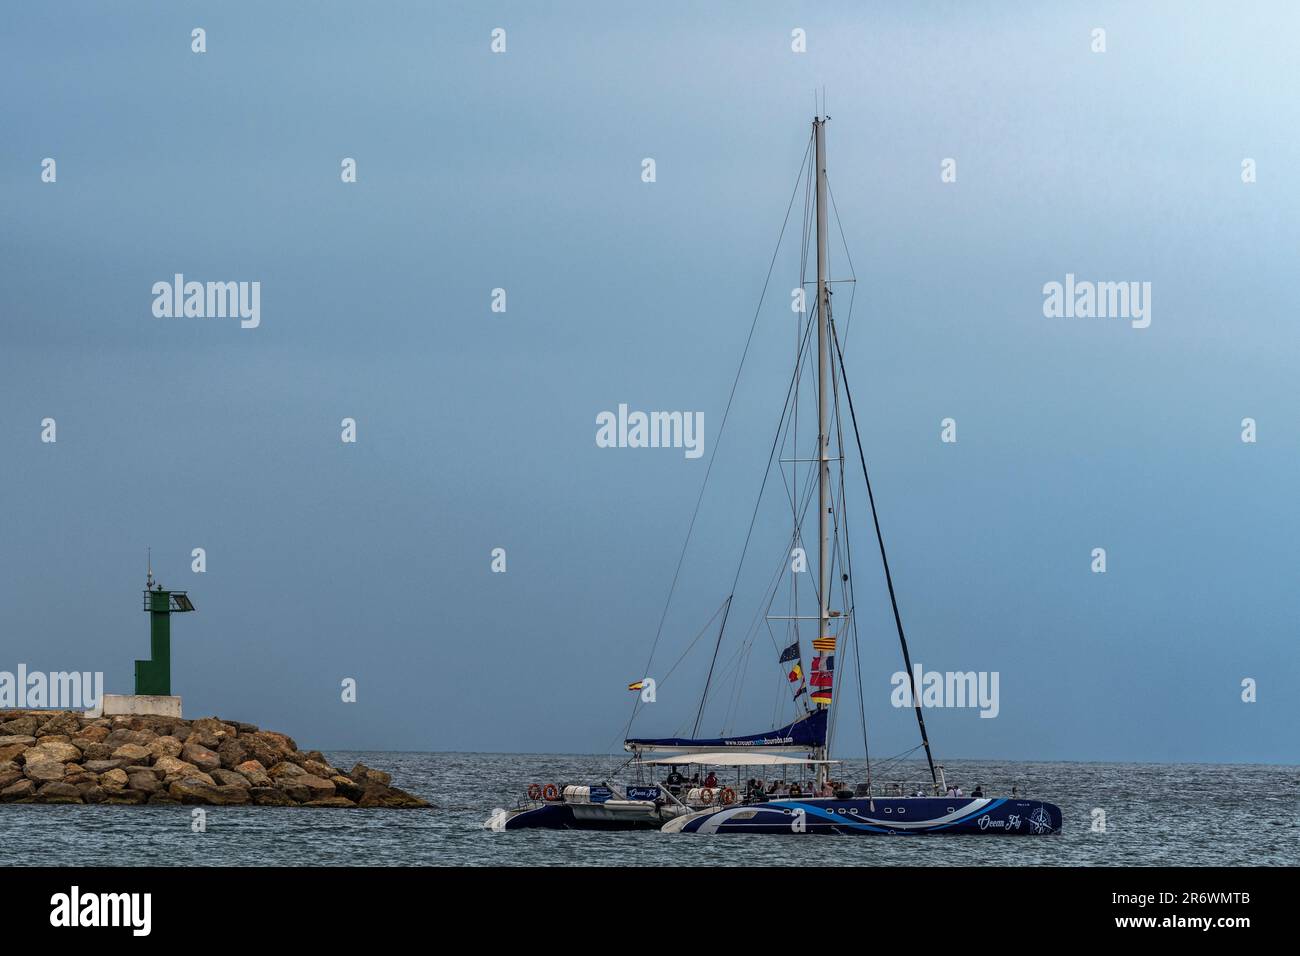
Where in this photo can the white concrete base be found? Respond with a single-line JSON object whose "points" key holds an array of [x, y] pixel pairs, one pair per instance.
{"points": [[137, 705]]}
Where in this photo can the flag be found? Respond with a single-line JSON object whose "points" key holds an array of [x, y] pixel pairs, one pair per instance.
{"points": [[801, 690], [823, 643], [796, 674], [826, 663], [822, 678], [821, 696], [791, 653], [636, 685]]}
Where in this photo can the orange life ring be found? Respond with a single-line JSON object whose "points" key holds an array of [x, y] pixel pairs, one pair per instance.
{"points": [[534, 791], [706, 796], [728, 796], [550, 791]]}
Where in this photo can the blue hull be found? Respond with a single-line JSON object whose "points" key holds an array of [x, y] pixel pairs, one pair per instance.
{"points": [[566, 816], [900, 816]]}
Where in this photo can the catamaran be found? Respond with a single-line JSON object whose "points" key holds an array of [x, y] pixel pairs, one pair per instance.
{"points": [[805, 794]]}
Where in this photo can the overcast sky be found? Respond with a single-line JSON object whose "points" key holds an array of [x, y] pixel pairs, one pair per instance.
{"points": [[476, 430]]}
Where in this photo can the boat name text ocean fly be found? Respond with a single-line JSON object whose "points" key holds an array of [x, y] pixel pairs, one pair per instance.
{"points": [[651, 430], [948, 689], [209, 300]]}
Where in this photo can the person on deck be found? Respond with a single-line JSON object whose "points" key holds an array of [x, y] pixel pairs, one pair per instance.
{"points": [[711, 781], [978, 791], [674, 781]]}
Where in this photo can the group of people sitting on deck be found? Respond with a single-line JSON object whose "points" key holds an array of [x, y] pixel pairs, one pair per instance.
{"points": [[953, 791], [677, 781], [756, 791]]}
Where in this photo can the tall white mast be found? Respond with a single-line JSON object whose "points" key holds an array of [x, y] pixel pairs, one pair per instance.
{"points": [[823, 418]]}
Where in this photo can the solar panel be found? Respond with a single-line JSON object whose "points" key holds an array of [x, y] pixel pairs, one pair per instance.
{"points": [[182, 602]]}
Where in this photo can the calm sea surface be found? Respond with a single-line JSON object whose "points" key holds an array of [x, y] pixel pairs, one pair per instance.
{"points": [[1179, 815]]}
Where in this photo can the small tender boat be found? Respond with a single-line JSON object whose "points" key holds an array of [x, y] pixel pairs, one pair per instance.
{"points": [[811, 801]]}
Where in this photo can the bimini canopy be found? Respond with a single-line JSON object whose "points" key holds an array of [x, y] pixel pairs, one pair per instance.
{"points": [[803, 734], [738, 758]]}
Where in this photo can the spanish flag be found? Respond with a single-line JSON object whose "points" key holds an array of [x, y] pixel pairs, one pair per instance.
{"points": [[796, 674], [823, 643], [637, 685]]}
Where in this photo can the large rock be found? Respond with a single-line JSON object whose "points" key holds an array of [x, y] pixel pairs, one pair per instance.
{"points": [[266, 797], [10, 739], [53, 750], [102, 766], [154, 772], [167, 746], [133, 753], [9, 773], [200, 756], [318, 787], [210, 732], [43, 771], [232, 753], [114, 780], [123, 736], [286, 769], [229, 778], [91, 735], [23, 726], [195, 791], [58, 792], [20, 790], [97, 752], [319, 768], [364, 775], [267, 747], [254, 773], [145, 782], [12, 751], [125, 797], [174, 767], [330, 802], [347, 787], [61, 723]]}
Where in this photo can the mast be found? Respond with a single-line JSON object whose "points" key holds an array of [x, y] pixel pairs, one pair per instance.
{"points": [[823, 422]]}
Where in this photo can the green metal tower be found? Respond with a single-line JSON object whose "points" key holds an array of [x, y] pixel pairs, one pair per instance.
{"points": [[154, 676]]}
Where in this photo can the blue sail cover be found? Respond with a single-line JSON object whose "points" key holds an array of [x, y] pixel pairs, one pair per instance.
{"points": [[805, 733]]}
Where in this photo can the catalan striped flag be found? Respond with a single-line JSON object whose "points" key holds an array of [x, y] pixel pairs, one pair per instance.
{"points": [[823, 643], [636, 685]]}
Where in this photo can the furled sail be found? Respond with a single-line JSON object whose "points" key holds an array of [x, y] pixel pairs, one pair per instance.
{"points": [[803, 734]]}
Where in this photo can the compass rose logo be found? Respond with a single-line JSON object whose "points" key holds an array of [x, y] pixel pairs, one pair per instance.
{"points": [[1040, 821]]}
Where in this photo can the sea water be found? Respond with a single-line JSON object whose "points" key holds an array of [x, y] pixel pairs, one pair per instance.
{"points": [[1114, 815]]}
